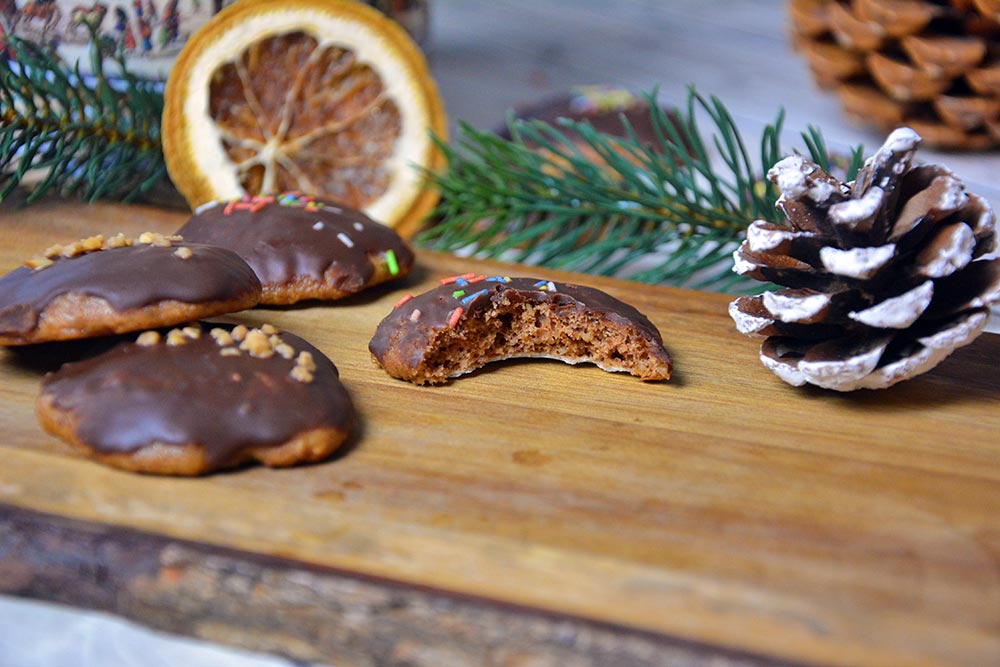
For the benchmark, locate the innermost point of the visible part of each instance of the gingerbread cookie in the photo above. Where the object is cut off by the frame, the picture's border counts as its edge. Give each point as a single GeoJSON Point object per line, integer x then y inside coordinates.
{"type": "Point", "coordinates": [100, 286]}
{"type": "Point", "coordinates": [302, 248]}
{"type": "Point", "coordinates": [469, 321]}
{"type": "Point", "coordinates": [200, 399]}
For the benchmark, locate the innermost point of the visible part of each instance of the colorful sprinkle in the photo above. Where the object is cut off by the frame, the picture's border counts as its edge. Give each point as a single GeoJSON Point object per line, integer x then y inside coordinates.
{"type": "Point", "coordinates": [415, 315]}
{"type": "Point", "coordinates": [346, 240]}
{"type": "Point", "coordinates": [472, 297]}
{"type": "Point", "coordinates": [458, 293]}
{"type": "Point", "coordinates": [357, 225]}
{"type": "Point", "coordinates": [452, 279]}
{"type": "Point", "coordinates": [455, 316]}
{"type": "Point", "coordinates": [551, 286]}
{"type": "Point", "coordinates": [318, 226]}
{"type": "Point", "coordinates": [403, 300]}
{"type": "Point", "coordinates": [540, 284]}
{"type": "Point", "coordinates": [390, 261]}
{"type": "Point", "coordinates": [498, 279]}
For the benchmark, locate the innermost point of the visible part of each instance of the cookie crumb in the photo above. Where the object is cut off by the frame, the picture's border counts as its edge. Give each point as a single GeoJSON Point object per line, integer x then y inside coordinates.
{"type": "Point", "coordinates": [148, 338]}
{"type": "Point", "coordinates": [183, 252]}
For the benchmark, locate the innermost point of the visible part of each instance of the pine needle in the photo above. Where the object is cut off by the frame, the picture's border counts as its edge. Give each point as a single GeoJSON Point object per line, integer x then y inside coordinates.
{"type": "Point", "coordinates": [671, 212]}
{"type": "Point", "coordinates": [85, 137]}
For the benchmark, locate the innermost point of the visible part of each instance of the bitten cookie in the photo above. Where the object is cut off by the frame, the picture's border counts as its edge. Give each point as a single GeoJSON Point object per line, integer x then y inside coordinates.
{"type": "Point", "coordinates": [199, 399]}
{"type": "Point", "coordinates": [302, 248]}
{"type": "Point", "coordinates": [469, 321]}
{"type": "Point", "coordinates": [99, 286]}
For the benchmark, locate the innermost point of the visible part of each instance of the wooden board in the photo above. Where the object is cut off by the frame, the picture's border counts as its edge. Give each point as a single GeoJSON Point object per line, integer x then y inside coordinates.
{"type": "Point", "coordinates": [723, 507]}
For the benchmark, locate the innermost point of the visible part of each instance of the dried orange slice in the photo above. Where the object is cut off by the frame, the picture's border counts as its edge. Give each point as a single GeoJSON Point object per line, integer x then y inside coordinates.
{"type": "Point", "coordinates": [328, 97]}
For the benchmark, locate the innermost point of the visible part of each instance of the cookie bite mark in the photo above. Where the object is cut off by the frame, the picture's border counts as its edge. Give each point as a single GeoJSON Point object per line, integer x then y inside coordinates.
{"type": "Point", "coordinates": [471, 320]}
{"type": "Point", "coordinates": [303, 248]}
{"type": "Point", "coordinates": [200, 398]}
{"type": "Point", "coordinates": [99, 286]}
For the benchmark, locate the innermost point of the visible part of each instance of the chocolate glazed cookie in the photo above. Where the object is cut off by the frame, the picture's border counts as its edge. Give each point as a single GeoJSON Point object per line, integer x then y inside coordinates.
{"type": "Point", "coordinates": [302, 248]}
{"type": "Point", "coordinates": [199, 399]}
{"type": "Point", "coordinates": [469, 321]}
{"type": "Point", "coordinates": [99, 286]}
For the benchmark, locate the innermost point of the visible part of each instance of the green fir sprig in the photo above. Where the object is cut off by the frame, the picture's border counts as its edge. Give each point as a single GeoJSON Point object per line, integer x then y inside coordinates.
{"type": "Point", "coordinates": [671, 212]}
{"type": "Point", "coordinates": [78, 136]}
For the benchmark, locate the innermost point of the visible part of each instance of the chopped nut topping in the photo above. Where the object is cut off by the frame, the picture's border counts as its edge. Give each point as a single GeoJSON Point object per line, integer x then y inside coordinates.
{"type": "Point", "coordinates": [305, 360]}
{"type": "Point", "coordinates": [119, 240]}
{"type": "Point", "coordinates": [148, 338]}
{"type": "Point", "coordinates": [192, 331]}
{"type": "Point", "coordinates": [257, 344]}
{"type": "Point", "coordinates": [38, 263]}
{"type": "Point", "coordinates": [285, 350]}
{"type": "Point", "coordinates": [229, 352]}
{"type": "Point", "coordinates": [268, 329]}
{"type": "Point", "coordinates": [183, 252]}
{"type": "Point", "coordinates": [157, 239]}
{"type": "Point", "coordinates": [221, 336]}
{"type": "Point", "coordinates": [301, 374]}
{"type": "Point", "coordinates": [82, 247]}
{"type": "Point", "coordinates": [92, 243]}
{"type": "Point", "coordinates": [275, 340]}
{"type": "Point", "coordinates": [239, 332]}
{"type": "Point", "coordinates": [176, 337]}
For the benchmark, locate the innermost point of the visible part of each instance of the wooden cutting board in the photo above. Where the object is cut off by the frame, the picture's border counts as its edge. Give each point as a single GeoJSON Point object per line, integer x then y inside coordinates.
{"type": "Point", "coordinates": [722, 507]}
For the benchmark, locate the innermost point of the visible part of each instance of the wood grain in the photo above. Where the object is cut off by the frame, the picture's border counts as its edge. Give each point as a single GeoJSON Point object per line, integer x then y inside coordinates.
{"type": "Point", "coordinates": [723, 507]}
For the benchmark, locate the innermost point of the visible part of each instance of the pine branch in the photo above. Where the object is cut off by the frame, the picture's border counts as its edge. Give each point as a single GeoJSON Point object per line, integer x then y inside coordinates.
{"type": "Point", "coordinates": [663, 213]}
{"type": "Point", "coordinates": [87, 137]}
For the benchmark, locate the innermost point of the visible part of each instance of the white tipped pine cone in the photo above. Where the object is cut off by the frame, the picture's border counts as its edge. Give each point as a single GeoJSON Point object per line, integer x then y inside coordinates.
{"type": "Point", "coordinates": [933, 65]}
{"type": "Point", "coordinates": [885, 276]}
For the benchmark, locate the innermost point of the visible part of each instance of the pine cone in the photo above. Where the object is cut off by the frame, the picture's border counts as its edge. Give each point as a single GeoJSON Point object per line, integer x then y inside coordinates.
{"type": "Point", "coordinates": [933, 65]}
{"type": "Point", "coordinates": [886, 275]}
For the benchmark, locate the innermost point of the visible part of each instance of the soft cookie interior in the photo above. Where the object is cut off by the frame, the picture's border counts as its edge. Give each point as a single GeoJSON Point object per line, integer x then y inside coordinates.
{"type": "Point", "coordinates": [515, 327]}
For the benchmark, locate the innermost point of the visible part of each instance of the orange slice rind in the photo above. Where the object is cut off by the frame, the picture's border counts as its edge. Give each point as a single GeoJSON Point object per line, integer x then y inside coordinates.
{"type": "Point", "coordinates": [328, 97]}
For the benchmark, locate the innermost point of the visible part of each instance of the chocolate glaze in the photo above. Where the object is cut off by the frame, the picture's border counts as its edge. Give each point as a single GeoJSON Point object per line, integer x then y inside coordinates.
{"type": "Point", "coordinates": [281, 242]}
{"type": "Point", "coordinates": [437, 308]}
{"type": "Point", "coordinates": [127, 277]}
{"type": "Point", "coordinates": [135, 395]}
